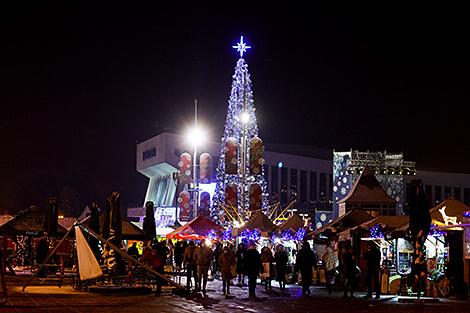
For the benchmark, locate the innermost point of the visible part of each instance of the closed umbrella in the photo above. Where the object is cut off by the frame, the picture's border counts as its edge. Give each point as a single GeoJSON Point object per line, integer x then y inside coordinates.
{"type": "Point", "coordinates": [51, 217]}
{"type": "Point", "coordinates": [112, 224]}
{"type": "Point", "coordinates": [112, 230]}
{"type": "Point", "coordinates": [94, 225]}
{"type": "Point", "coordinates": [94, 221]}
{"type": "Point", "coordinates": [149, 222]}
{"type": "Point", "coordinates": [420, 223]}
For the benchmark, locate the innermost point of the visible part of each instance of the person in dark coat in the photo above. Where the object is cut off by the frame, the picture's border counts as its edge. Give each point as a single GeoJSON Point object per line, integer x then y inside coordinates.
{"type": "Point", "coordinates": [133, 251]}
{"type": "Point", "coordinates": [190, 263]}
{"type": "Point", "coordinates": [348, 265]}
{"type": "Point", "coordinates": [239, 257]}
{"type": "Point", "coordinates": [373, 269]}
{"type": "Point", "coordinates": [305, 261]}
{"type": "Point", "coordinates": [281, 259]}
{"type": "Point", "coordinates": [178, 255]}
{"type": "Point", "coordinates": [253, 267]}
{"type": "Point", "coordinates": [215, 259]}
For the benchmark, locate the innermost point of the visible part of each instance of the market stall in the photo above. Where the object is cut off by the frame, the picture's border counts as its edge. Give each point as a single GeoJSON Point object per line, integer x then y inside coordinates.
{"type": "Point", "coordinates": [444, 251]}
{"type": "Point", "coordinates": [290, 234]}
{"type": "Point", "coordinates": [197, 229]}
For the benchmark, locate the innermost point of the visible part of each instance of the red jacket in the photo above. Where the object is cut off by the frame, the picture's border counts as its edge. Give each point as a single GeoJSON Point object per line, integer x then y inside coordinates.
{"type": "Point", "coordinates": [152, 258]}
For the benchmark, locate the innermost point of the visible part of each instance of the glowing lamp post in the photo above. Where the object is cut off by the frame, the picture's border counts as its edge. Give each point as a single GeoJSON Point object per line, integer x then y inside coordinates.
{"type": "Point", "coordinates": [196, 137]}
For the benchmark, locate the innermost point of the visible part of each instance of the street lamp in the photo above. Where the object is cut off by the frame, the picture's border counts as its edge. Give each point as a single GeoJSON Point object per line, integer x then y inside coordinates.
{"type": "Point", "coordinates": [196, 137]}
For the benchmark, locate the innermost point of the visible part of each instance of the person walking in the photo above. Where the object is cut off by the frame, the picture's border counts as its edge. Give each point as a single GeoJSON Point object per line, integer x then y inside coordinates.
{"type": "Point", "coordinates": [348, 266]}
{"type": "Point", "coordinates": [330, 259]}
{"type": "Point", "coordinates": [253, 267]}
{"type": "Point", "coordinates": [178, 255]}
{"type": "Point", "coordinates": [281, 258]}
{"type": "Point", "coordinates": [215, 260]}
{"type": "Point", "coordinates": [240, 271]}
{"type": "Point", "coordinates": [267, 261]}
{"type": "Point", "coordinates": [372, 258]}
{"type": "Point", "coordinates": [190, 264]}
{"type": "Point", "coordinates": [305, 261]}
{"type": "Point", "coordinates": [226, 262]}
{"type": "Point", "coordinates": [202, 256]}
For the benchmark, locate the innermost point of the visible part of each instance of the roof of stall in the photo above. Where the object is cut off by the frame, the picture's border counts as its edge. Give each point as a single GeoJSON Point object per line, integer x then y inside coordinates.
{"type": "Point", "coordinates": [453, 208]}
{"type": "Point", "coordinates": [259, 221]}
{"type": "Point", "coordinates": [387, 222]}
{"type": "Point", "coordinates": [367, 189]}
{"type": "Point", "coordinates": [198, 228]}
{"type": "Point", "coordinates": [294, 222]}
{"type": "Point", "coordinates": [351, 219]}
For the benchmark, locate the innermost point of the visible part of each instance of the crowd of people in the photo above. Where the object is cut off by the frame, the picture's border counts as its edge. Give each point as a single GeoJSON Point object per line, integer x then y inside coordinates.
{"type": "Point", "coordinates": [232, 264]}
{"type": "Point", "coordinates": [241, 264]}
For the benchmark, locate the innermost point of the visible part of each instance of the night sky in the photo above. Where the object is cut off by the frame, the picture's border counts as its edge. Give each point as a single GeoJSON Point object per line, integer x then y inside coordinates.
{"type": "Point", "coordinates": [79, 87]}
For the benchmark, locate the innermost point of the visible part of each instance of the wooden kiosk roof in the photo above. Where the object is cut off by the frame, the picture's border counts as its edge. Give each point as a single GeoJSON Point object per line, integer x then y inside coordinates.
{"type": "Point", "coordinates": [367, 189]}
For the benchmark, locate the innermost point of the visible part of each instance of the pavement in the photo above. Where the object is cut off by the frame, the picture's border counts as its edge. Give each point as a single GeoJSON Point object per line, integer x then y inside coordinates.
{"type": "Point", "coordinates": [51, 298]}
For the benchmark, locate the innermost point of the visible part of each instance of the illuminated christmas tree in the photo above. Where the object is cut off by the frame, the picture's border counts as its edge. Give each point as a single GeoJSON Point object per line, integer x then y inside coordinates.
{"type": "Point", "coordinates": [241, 186]}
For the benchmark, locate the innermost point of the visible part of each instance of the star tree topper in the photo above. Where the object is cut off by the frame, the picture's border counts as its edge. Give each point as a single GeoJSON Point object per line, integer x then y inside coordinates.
{"type": "Point", "coordinates": [241, 47]}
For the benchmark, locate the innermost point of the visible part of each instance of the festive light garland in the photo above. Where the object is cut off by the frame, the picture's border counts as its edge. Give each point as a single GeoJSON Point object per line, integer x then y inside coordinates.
{"type": "Point", "coordinates": [376, 232]}
{"type": "Point", "coordinates": [300, 235]}
{"type": "Point", "coordinates": [212, 235]}
{"type": "Point", "coordinates": [466, 214]}
{"type": "Point", "coordinates": [436, 232]}
{"type": "Point", "coordinates": [289, 235]}
{"type": "Point", "coordinates": [247, 236]}
{"type": "Point", "coordinates": [227, 234]}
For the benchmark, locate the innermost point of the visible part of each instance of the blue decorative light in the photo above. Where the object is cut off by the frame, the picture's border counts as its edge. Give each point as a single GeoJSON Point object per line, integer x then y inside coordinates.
{"type": "Point", "coordinates": [436, 232]}
{"type": "Point", "coordinates": [300, 235]}
{"type": "Point", "coordinates": [376, 232]}
{"type": "Point", "coordinates": [248, 236]}
{"type": "Point", "coordinates": [227, 234]}
{"type": "Point", "coordinates": [279, 164]}
{"type": "Point", "coordinates": [212, 235]}
{"type": "Point", "coordinates": [288, 235]}
{"type": "Point", "coordinates": [466, 214]}
{"type": "Point", "coordinates": [241, 47]}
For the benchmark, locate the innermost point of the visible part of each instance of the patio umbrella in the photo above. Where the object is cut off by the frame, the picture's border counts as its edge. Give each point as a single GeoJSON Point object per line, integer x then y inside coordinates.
{"type": "Point", "coordinates": [94, 225]}
{"type": "Point", "coordinates": [420, 223]}
{"type": "Point", "coordinates": [51, 217]}
{"type": "Point", "coordinates": [112, 224]}
{"type": "Point", "coordinates": [94, 221]}
{"type": "Point", "coordinates": [149, 222]}
{"type": "Point", "coordinates": [112, 231]}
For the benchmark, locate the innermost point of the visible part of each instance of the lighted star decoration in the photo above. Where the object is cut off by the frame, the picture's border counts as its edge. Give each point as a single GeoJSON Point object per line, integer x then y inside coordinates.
{"type": "Point", "coordinates": [241, 47]}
